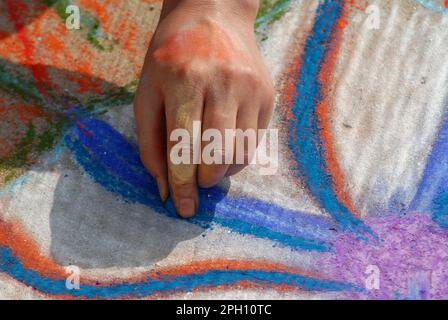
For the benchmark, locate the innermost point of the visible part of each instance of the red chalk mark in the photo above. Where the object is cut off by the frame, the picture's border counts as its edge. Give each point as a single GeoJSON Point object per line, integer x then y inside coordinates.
{"type": "Point", "coordinates": [342, 23]}
{"type": "Point", "coordinates": [51, 58]}
{"type": "Point", "coordinates": [3, 34]}
{"type": "Point", "coordinates": [54, 43]}
{"type": "Point", "coordinates": [22, 45]}
{"type": "Point", "coordinates": [99, 9]}
{"type": "Point", "coordinates": [360, 5]}
{"type": "Point", "coordinates": [242, 285]}
{"type": "Point", "coordinates": [205, 41]}
{"type": "Point", "coordinates": [125, 30]}
{"type": "Point", "coordinates": [323, 110]}
{"type": "Point", "coordinates": [13, 236]}
{"type": "Point", "coordinates": [17, 9]}
{"type": "Point", "coordinates": [84, 129]}
{"type": "Point", "coordinates": [28, 112]}
{"type": "Point", "coordinates": [222, 264]}
{"type": "Point", "coordinates": [446, 4]}
{"type": "Point", "coordinates": [86, 84]}
{"type": "Point", "coordinates": [17, 117]}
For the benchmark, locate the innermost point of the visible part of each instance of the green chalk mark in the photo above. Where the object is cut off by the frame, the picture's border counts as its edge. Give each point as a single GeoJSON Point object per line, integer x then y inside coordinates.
{"type": "Point", "coordinates": [49, 138]}
{"type": "Point", "coordinates": [12, 175]}
{"type": "Point", "coordinates": [23, 149]}
{"type": "Point", "coordinates": [32, 144]}
{"type": "Point", "coordinates": [271, 11]}
{"type": "Point", "coordinates": [15, 86]}
{"type": "Point", "coordinates": [26, 90]}
{"type": "Point", "coordinates": [37, 141]}
{"type": "Point", "coordinates": [119, 96]}
{"type": "Point", "coordinates": [265, 6]}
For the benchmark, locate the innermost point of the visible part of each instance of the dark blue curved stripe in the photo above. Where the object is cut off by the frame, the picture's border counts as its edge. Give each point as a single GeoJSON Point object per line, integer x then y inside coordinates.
{"type": "Point", "coordinates": [95, 146]}
{"type": "Point", "coordinates": [291, 222]}
{"type": "Point", "coordinates": [126, 161]}
{"type": "Point", "coordinates": [183, 283]}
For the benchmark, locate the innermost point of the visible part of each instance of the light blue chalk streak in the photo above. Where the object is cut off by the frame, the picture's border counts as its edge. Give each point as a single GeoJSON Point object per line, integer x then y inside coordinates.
{"type": "Point", "coordinates": [431, 5]}
{"type": "Point", "coordinates": [15, 185]}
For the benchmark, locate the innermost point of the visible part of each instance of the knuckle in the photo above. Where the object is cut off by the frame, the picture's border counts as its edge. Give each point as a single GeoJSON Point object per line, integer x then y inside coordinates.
{"type": "Point", "coordinates": [229, 71]}
{"type": "Point", "coordinates": [239, 72]}
{"type": "Point", "coordinates": [242, 76]}
{"type": "Point", "coordinates": [192, 73]}
{"type": "Point", "coordinates": [184, 185]}
{"type": "Point", "coordinates": [250, 76]}
{"type": "Point", "coordinates": [218, 116]}
{"type": "Point", "coordinates": [183, 188]}
{"type": "Point", "coordinates": [182, 146]}
{"type": "Point", "coordinates": [182, 174]}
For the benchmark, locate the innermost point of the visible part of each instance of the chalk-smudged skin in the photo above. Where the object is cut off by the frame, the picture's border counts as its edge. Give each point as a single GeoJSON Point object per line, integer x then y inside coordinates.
{"type": "Point", "coordinates": [203, 64]}
{"type": "Point", "coordinates": [204, 41]}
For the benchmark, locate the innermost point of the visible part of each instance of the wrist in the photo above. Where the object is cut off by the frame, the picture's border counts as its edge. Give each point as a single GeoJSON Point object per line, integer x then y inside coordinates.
{"type": "Point", "coordinates": [245, 10]}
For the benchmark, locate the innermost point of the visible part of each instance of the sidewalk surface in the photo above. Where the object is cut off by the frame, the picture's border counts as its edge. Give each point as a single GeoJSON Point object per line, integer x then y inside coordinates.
{"type": "Point", "coordinates": [358, 208]}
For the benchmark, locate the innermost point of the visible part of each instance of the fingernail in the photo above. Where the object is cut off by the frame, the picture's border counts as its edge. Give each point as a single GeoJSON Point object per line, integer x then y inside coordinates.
{"type": "Point", "coordinates": [162, 191]}
{"type": "Point", "coordinates": [187, 207]}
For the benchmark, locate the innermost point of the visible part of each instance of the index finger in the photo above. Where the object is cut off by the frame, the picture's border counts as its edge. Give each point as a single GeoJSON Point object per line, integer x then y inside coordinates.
{"type": "Point", "coordinates": [183, 115]}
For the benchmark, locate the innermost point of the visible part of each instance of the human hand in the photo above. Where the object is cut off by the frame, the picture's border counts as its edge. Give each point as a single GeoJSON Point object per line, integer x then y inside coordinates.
{"type": "Point", "coordinates": [203, 64]}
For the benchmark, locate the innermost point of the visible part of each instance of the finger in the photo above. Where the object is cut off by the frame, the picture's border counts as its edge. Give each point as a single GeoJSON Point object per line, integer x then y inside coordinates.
{"type": "Point", "coordinates": [150, 119]}
{"type": "Point", "coordinates": [219, 118]}
{"type": "Point", "coordinates": [183, 109]}
{"type": "Point", "coordinates": [263, 120]}
{"type": "Point", "coordinates": [245, 139]}
{"type": "Point", "coordinates": [266, 111]}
